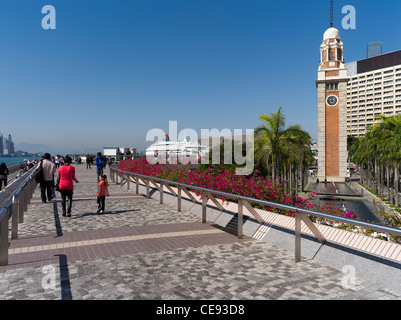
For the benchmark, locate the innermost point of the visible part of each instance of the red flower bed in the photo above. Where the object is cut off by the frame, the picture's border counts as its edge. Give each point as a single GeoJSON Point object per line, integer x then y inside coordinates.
{"type": "Point", "coordinates": [252, 187]}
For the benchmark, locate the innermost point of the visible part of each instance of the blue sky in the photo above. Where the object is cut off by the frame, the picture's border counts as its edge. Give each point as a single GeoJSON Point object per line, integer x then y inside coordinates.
{"type": "Point", "coordinates": [113, 70]}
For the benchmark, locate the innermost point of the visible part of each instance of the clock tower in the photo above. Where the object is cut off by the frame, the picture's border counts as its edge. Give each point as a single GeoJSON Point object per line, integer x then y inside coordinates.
{"type": "Point", "coordinates": [332, 109]}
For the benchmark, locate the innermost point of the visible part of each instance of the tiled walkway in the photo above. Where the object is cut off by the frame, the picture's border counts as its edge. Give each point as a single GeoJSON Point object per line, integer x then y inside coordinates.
{"type": "Point", "coordinates": [139, 249]}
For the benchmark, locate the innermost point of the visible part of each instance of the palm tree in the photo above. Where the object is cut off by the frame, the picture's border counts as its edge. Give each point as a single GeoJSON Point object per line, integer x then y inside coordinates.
{"type": "Point", "coordinates": [282, 150]}
{"type": "Point", "coordinates": [389, 143]}
{"type": "Point", "coordinates": [366, 156]}
{"type": "Point", "coordinates": [352, 147]}
{"type": "Point", "coordinates": [268, 135]}
{"type": "Point", "coordinates": [380, 148]}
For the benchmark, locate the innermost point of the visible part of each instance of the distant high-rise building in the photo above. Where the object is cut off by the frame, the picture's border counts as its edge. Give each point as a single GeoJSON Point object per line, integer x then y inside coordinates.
{"type": "Point", "coordinates": [6, 144]}
{"type": "Point", "coordinates": [374, 49]}
{"type": "Point", "coordinates": [1, 143]}
{"type": "Point", "coordinates": [10, 145]}
{"type": "Point", "coordinates": [12, 150]}
{"type": "Point", "coordinates": [8, 148]}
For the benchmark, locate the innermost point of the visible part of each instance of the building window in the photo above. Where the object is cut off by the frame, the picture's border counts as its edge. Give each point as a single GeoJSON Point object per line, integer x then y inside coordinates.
{"type": "Point", "coordinates": [331, 55]}
{"type": "Point", "coordinates": [332, 87]}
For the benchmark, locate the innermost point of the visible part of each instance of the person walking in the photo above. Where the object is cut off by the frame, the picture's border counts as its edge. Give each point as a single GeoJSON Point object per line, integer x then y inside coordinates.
{"type": "Point", "coordinates": [99, 161]}
{"type": "Point", "coordinates": [57, 161]}
{"type": "Point", "coordinates": [88, 161]}
{"type": "Point", "coordinates": [67, 176]}
{"type": "Point", "coordinates": [102, 192]}
{"type": "Point", "coordinates": [3, 174]}
{"type": "Point", "coordinates": [47, 183]}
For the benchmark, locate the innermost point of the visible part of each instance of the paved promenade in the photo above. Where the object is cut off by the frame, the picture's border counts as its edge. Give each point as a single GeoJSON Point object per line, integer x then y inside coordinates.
{"type": "Point", "coordinates": [140, 249]}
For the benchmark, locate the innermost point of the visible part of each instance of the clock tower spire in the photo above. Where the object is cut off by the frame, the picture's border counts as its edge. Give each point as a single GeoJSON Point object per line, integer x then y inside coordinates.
{"type": "Point", "coordinates": [332, 107]}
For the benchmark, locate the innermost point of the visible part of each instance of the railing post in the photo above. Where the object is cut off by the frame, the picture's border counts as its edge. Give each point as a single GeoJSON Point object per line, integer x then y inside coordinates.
{"type": "Point", "coordinates": [128, 182]}
{"type": "Point", "coordinates": [21, 206]}
{"type": "Point", "coordinates": [25, 196]}
{"type": "Point", "coordinates": [161, 192]}
{"type": "Point", "coordinates": [179, 199]}
{"type": "Point", "coordinates": [240, 218]}
{"type": "Point", "coordinates": [29, 195]}
{"type": "Point", "coordinates": [204, 200]}
{"type": "Point", "coordinates": [4, 239]}
{"type": "Point", "coordinates": [14, 218]}
{"type": "Point", "coordinates": [147, 188]}
{"type": "Point", "coordinates": [137, 185]}
{"type": "Point", "coordinates": [297, 236]}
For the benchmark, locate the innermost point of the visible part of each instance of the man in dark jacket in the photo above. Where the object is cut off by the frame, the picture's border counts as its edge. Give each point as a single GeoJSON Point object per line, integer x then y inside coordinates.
{"type": "Point", "coordinates": [99, 161]}
{"type": "Point", "coordinates": [46, 185]}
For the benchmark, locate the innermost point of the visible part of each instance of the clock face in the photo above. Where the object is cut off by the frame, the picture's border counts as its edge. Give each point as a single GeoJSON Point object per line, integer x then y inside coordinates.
{"type": "Point", "coordinates": [332, 101]}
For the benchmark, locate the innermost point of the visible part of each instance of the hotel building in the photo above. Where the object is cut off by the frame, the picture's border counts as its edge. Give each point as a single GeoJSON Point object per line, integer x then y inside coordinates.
{"type": "Point", "coordinates": [374, 88]}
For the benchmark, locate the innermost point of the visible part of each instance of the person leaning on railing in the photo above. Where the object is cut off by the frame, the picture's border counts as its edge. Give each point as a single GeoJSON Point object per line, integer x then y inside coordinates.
{"type": "Point", "coordinates": [22, 170]}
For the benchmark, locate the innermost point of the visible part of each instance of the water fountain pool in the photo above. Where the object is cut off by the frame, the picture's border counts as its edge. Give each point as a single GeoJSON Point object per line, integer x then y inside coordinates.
{"type": "Point", "coordinates": [341, 195]}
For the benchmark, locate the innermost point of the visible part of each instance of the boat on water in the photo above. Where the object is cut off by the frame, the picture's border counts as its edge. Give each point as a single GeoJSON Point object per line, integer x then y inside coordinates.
{"type": "Point", "coordinates": [167, 149]}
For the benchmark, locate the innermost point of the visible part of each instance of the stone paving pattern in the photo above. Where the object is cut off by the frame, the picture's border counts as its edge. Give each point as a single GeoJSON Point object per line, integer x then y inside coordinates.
{"type": "Point", "coordinates": [165, 255]}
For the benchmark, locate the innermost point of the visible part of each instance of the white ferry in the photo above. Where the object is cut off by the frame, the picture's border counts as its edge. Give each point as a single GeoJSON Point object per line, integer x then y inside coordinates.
{"type": "Point", "coordinates": [176, 149]}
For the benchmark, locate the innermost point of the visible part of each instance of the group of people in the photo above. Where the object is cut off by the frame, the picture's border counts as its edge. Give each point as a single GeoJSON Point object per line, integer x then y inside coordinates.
{"type": "Point", "coordinates": [66, 174]}
{"type": "Point", "coordinates": [65, 182]}
{"type": "Point", "coordinates": [4, 171]}
{"type": "Point", "coordinates": [99, 159]}
{"type": "Point", "coordinates": [58, 160]}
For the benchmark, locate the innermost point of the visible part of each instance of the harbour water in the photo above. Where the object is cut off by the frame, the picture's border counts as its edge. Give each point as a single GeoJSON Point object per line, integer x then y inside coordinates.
{"type": "Point", "coordinates": [13, 160]}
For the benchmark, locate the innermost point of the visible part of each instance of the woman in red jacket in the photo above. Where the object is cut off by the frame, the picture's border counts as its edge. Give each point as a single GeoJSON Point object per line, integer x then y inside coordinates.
{"type": "Point", "coordinates": [67, 175]}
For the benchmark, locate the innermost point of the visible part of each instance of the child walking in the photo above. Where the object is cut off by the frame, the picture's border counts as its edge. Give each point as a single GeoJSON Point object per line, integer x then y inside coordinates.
{"type": "Point", "coordinates": [102, 192]}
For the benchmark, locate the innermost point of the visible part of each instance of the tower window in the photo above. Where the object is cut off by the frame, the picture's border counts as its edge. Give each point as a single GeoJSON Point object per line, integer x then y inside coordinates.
{"type": "Point", "coordinates": [331, 55]}
{"type": "Point", "coordinates": [332, 87]}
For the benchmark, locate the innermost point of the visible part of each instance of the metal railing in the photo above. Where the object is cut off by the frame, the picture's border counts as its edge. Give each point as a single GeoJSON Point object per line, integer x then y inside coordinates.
{"type": "Point", "coordinates": [13, 203]}
{"type": "Point", "coordinates": [301, 214]}
{"type": "Point", "coordinates": [15, 172]}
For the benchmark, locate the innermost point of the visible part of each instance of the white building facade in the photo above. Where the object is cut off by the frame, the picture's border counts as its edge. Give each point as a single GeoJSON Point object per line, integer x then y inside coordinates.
{"type": "Point", "coordinates": [374, 88]}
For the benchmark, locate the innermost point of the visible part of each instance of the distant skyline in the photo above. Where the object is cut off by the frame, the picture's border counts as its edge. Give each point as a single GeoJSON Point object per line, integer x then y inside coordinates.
{"type": "Point", "coordinates": [113, 70]}
{"type": "Point", "coordinates": [6, 145]}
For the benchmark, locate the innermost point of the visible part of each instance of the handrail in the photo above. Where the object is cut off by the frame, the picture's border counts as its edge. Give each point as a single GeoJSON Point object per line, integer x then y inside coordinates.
{"type": "Point", "coordinates": [23, 184]}
{"type": "Point", "coordinates": [13, 172]}
{"type": "Point", "coordinates": [369, 225]}
{"type": "Point", "coordinates": [2, 213]}
{"type": "Point", "coordinates": [13, 206]}
{"type": "Point", "coordinates": [300, 213]}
